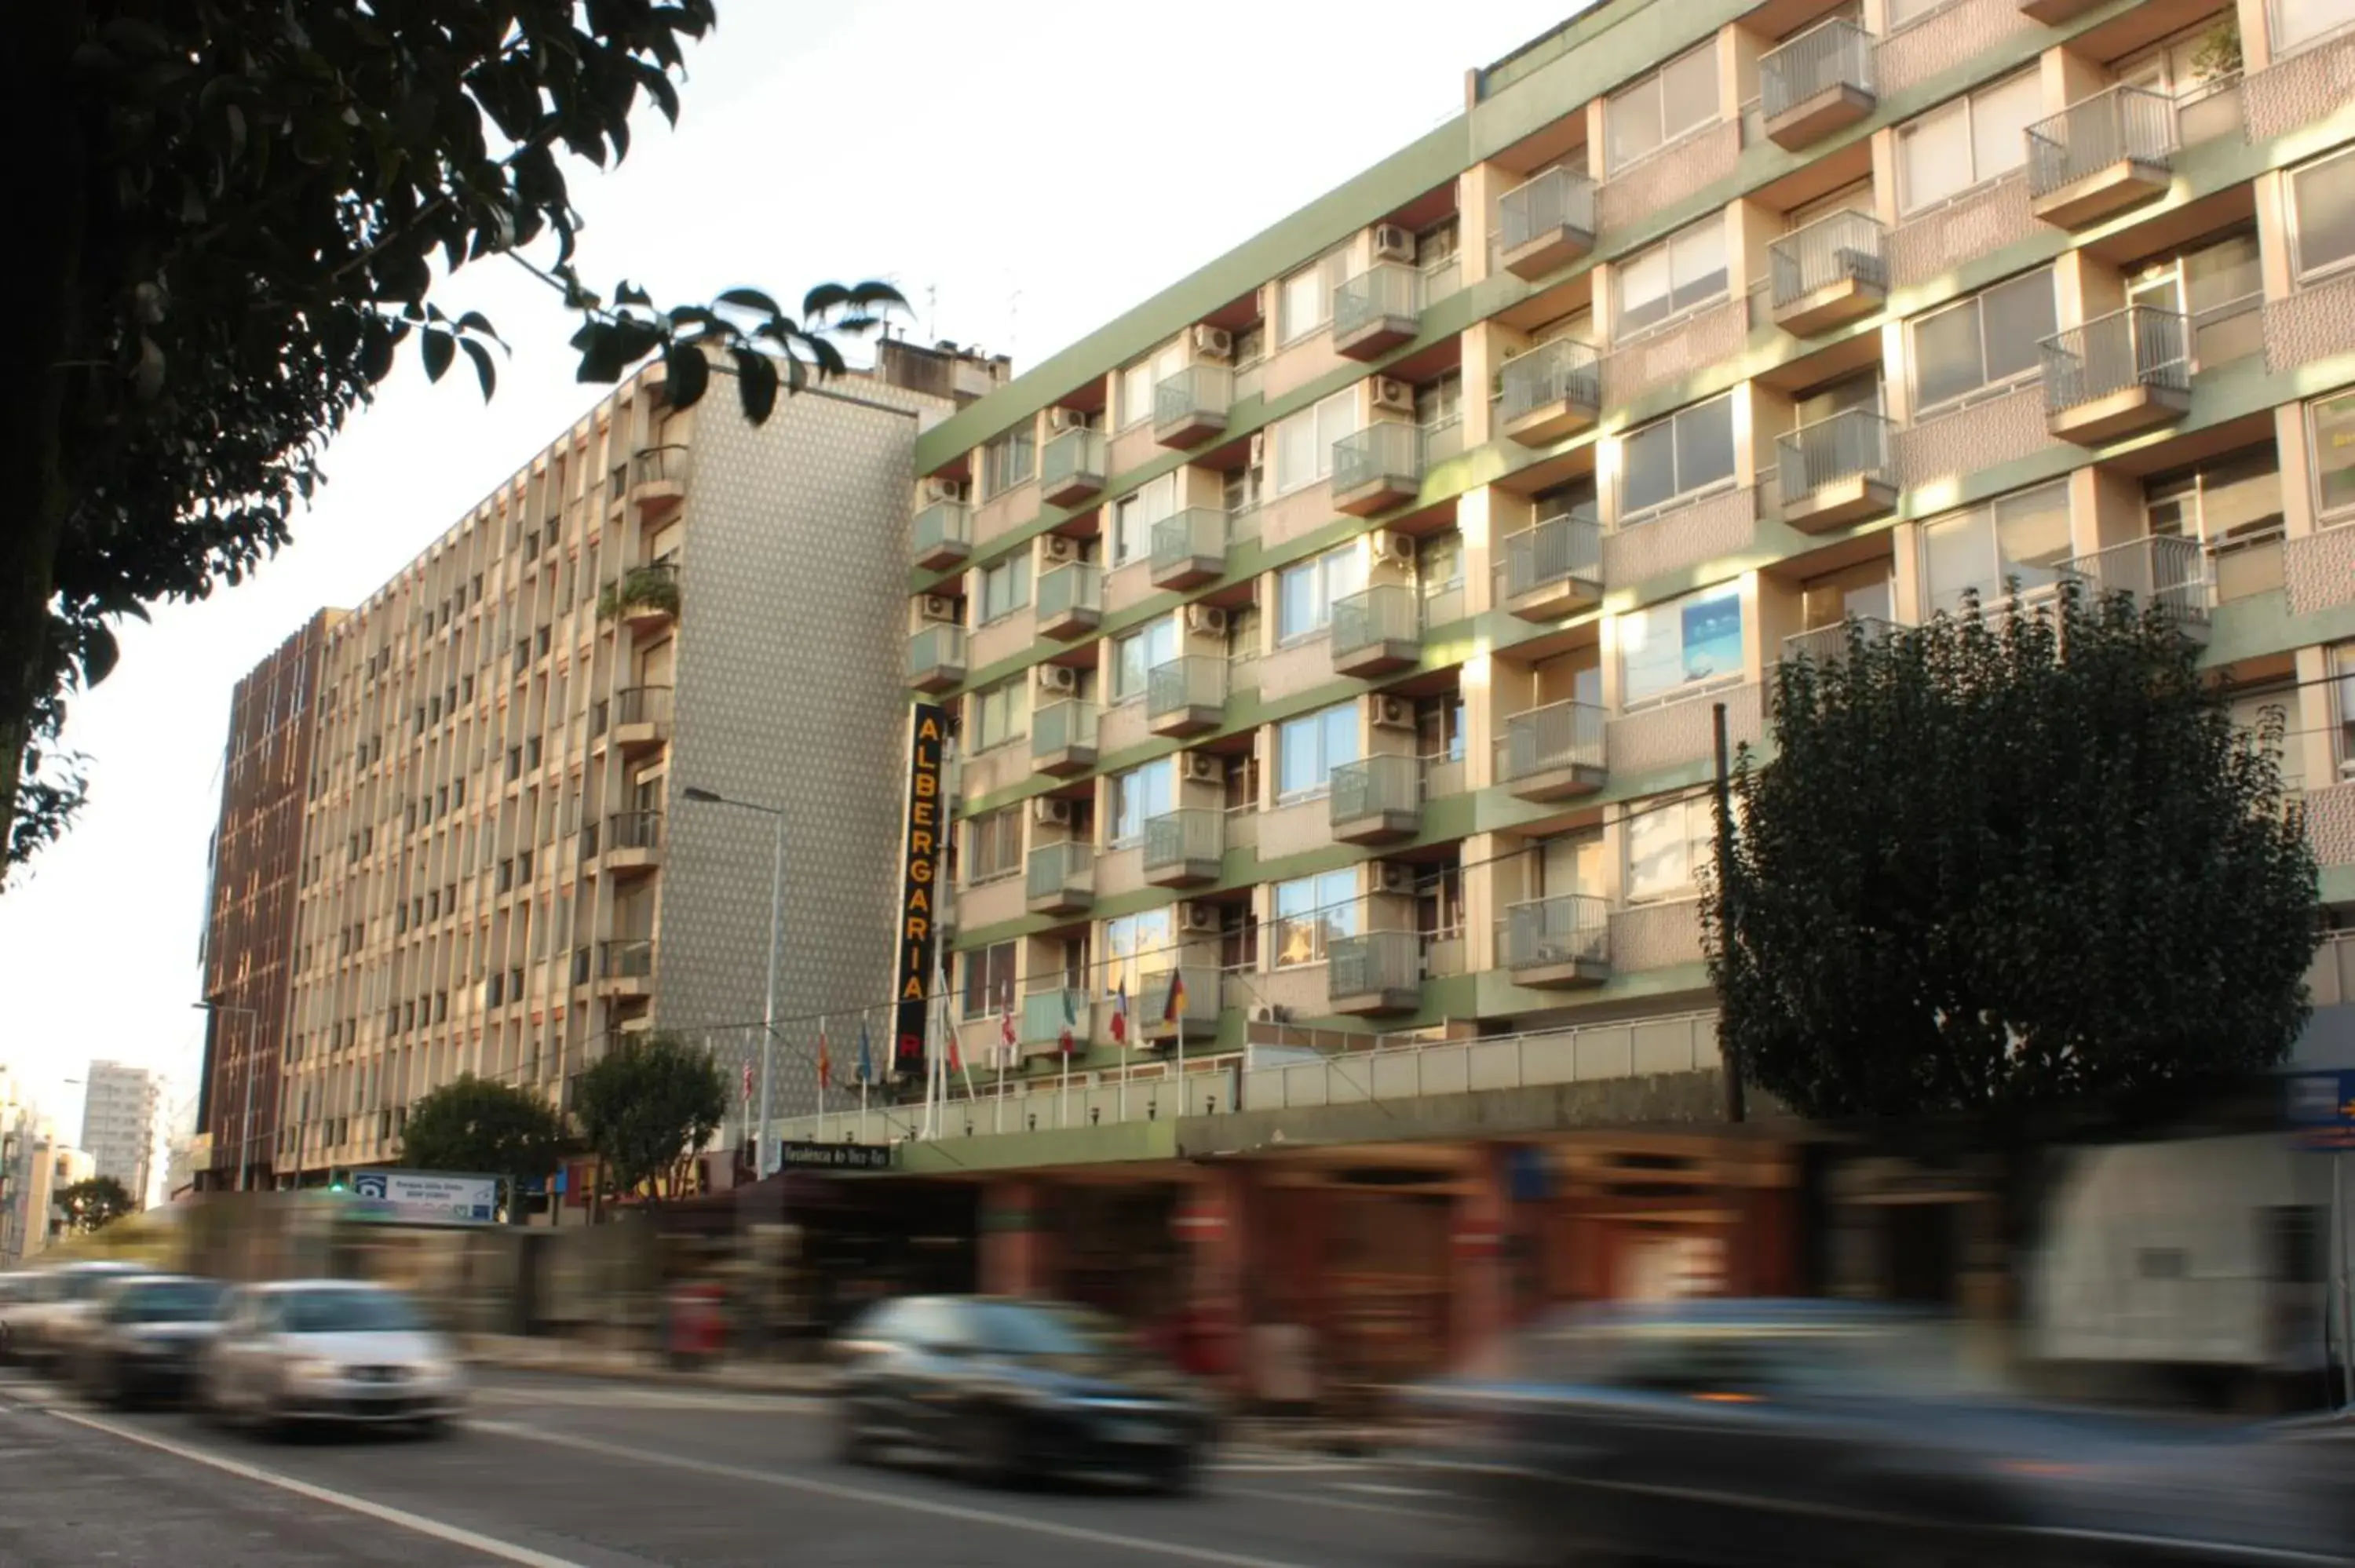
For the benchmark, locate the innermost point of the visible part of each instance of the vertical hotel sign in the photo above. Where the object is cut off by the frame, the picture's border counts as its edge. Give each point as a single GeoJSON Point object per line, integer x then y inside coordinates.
{"type": "Point", "coordinates": [918, 890]}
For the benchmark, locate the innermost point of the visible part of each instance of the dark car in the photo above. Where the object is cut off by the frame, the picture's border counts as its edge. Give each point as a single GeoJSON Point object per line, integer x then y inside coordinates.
{"type": "Point", "coordinates": [147, 1334]}
{"type": "Point", "coordinates": [1740, 1433]}
{"type": "Point", "coordinates": [1009, 1390]}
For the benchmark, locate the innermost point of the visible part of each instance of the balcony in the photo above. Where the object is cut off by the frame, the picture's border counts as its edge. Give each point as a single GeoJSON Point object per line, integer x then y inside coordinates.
{"type": "Point", "coordinates": [2116, 374]}
{"type": "Point", "coordinates": [1377, 800]}
{"type": "Point", "coordinates": [936, 657]}
{"type": "Point", "coordinates": [1556, 942]}
{"type": "Point", "coordinates": [1046, 1013]}
{"type": "Point", "coordinates": [1546, 223]}
{"type": "Point", "coordinates": [1817, 83]}
{"type": "Point", "coordinates": [1186, 695]}
{"type": "Point", "coordinates": [1378, 468]}
{"type": "Point", "coordinates": [1553, 753]}
{"type": "Point", "coordinates": [1824, 645]}
{"type": "Point", "coordinates": [1063, 737]}
{"type": "Point", "coordinates": [641, 718]}
{"type": "Point", "coordinates": [1835, 472]}
{"type": "Point", "coordinates": [1061, 879]}
{"type": "Point", "coordinates": [1377, 632]}
{"type": "Point", "coordinates": [1549, 393]}
{"type": "Point", "coordinates": [1069, 600]}
{"type": "Point", "coordinates": [2052, 12]}
{"type": "Point", "coordinates": [625, 969]}
{"type": "Point", "coordinates": [1185, 848]}
{"type": "Point", "coordinates": [632, 844]}
{"type": "Point", "coordinates": [1555, 568]}
{"type": "Point", "coordinates": [1829, 273]}
{"type": "Point", "coordinates": [943, 535]}
{"type": "Point", "coordinates": [1199, 1017]}
{"type": "Point", "coordinates": [658, 480]}
{"type": "Point", "coordinates": [1071, 468]}
{"type": "Point", "coordinates": [1376, 971]}
{"type": "Point", "coordinates": [1189, 548]}
{"type": "Point", "coordinates": [2170, 574]}
{"type": "Point", "coordinates": [1191, 406]}
{"type": "Point", "coordinates": [644, 599]}
{"type": "Point", "coordinates": [1375, 311]}
{"type": "Point", "coordinates": [2100, 156]}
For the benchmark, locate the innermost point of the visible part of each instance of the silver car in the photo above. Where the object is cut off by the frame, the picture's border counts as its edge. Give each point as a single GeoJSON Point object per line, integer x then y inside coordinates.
{"type": "Point", "coordinates": [328, 1351]}
{"type": "Point", "coordinates": [43, 1329]}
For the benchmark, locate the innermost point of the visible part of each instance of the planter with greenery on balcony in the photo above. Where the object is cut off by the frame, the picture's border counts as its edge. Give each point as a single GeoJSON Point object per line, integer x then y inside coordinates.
{"type": "Point", "coordinates": [648, 593]}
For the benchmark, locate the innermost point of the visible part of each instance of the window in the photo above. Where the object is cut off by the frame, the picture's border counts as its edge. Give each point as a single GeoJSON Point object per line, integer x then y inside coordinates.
{"type": "Point", "coordinates": [1309, 747]}
{"type": "Point", "coordinates": [1987, 340]}
{"type": "Point", "coordinates": [1135, 945]}
{"type": "Point", "coordinates": [1693, 642]}
{"type": "Point", "coordinates": [1005, 586]}
{"type": "Point", "coordinates": [2223, 502]}
{"type": "Point", "coordinates": [997, 713]}
{"type": "Point", "coordinates": [1905, 12]}
{"type": "Point", "coordinates": [1666, 846]}
{"type": "Point", "coordinates": [2322, 215]}
{"type": "Point", "coordinates": [989, 979]}
{"type": "Point", "coordinates": [1439, 404]}
{"type": "Point", "coordinates": [1006, 462]}
{"type": "Point", "coordinates": [1132, 517]}
{"type": "Point", "coordinates": [2022, 537]}
{"type": "Point", "coordinates": [1134, 655]}
{"type": "Point", "coordinates": [1683, 270]}
{"type": "Point", "coordinates": [1647, 114]}
{"type": "Point", "coordinates": [1304, 300]}
{"type": "Point", "coordinates": [1973, 139]}
{"type": "Point", "coordinates": [1305, 591]}
{"type": "Point", "coordinates": [1133, 399]}
{"type": "Point", "coordinates": [1135, 798]}
{"type": "Point", "coordinates": [1303, 442]}
{"type": "Point", "coordinates": [2293, 23]}
{"type": "Point", "coordinates": [1689, 450]}
{"type": "Point", "coordinates": [992, 845]}
{"type": "Point", "coordinates": [2333, 422]}
{"type": "Point", "coordinates": [1310, 912]}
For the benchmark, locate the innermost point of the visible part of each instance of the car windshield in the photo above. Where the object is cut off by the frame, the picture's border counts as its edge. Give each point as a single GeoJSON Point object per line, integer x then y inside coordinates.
{"type": "Point", "coordinates": [348, 1312]}
{"type": "Point", "coordinates": [177, 1301]}
{"type": "Point", "coordinates": [82, 1284]}
{"type": "Point", "coordinates": [1020, 1328]}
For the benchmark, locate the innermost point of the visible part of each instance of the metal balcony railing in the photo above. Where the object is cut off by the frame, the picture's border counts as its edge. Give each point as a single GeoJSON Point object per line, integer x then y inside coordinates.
{"type": "Point", "coordinates": [1391, 449]}
{"type": "Point", "coordinates": [1555, 200]}
{"type": "Point", "coordinates": [1852, 443]}
{"type": "Point", "coordinates": [1199, 533]}
{"type": "Point", "coordinates": [1062, 726]}
{"type": "Point", "coordinates": [941, 527]}
{"type": "Point", "coordinates": [1824, 644]}
{"type": "Point", "coordinates": [654, 465]}
{"type": "Point", "coordinates": [1558, 736]}
{"type": "Point", "coordinates": [1570, 928]}
{"type": "Point", "coordinates": [1563, 371]}
{"type": "Point", "coordinates": [1387, 291]}
{"type": "Point", "coordinates": [2119, 124]}
{"type": "Point", "coordinates": [1373, 962]}
{"type": "Point", "coordinates": [1387, 612]}
{"type": "Point", "coordinates": [1565, 547]}
{"type": "Point", "coordinates": [1074, 586]}
{"type": "Point", "coordinates": [936, 648]}
{"type": "Point", "coordinates": [1837, 53]}
{"type": "Point", "coordinates": [2167, 572]}
{"type": "Point", "coordinates": [1071, 456]}
{"type": "Point", "coordinates": [1841, 247]}
{"type": "Point", "coordinates": [633, 829]}
{"type": "Point", "coordinates": [2141, 346]}
{"type": "Point", "coordinates": [629, 959]}
{"type": "Point", "coordinates": [1190, 835]}
{"type": "Point", "coordinates": [1190, 681]}
{"type": "Point", "coordinates": [642, 704]}
{"type": "Point", "coordinates": [1046, 1013]}
{"type": "Point", "coordinates": [1198, 394]}
{"type": "Point", "coordinates": [1056, 870]}
{"type": "Point", "coordinates": [1376, 786]}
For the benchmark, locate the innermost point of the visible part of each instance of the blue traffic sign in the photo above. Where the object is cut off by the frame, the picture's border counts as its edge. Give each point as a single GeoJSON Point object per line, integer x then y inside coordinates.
{"type": "Point", "coordinates": [2322, 1110]}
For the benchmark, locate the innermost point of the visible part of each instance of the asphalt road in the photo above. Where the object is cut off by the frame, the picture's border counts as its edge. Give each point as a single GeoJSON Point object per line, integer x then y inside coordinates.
{"type": "Point", "coordinates": [552, 1472]}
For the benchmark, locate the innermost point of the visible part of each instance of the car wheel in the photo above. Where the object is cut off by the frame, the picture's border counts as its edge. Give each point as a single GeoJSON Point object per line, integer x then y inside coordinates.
{"type": "Point", "coordinates": [991, 1456]}
{"type": "Point", "coordinates": [1178, 1475]}
{"type": "Point", "coordinates": [851, 1441]}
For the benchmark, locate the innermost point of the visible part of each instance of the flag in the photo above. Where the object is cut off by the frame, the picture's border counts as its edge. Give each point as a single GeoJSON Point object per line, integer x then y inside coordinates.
{"type": "Point", "coordinates": [865, 1053]}
{"type": "Point", "coordinates": [1005, 1036]}
{"type": "Point", "coordinates": [1120, 1013]}
{"type": "Point", "coordinates": [1174, 1008]}
{"type": "Point", "coordinates": [825, 1059]}
{"type": "Point", "coordinates": [1066, 1041]}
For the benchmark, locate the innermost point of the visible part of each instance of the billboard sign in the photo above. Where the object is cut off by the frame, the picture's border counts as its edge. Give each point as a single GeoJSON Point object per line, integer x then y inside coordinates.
{"type": "Point", "coordinates": [919, 891]}
{"type": "Point", "coordinates": [428, 1195]}
{"type": "Point", "coordinates": [809, 1154]}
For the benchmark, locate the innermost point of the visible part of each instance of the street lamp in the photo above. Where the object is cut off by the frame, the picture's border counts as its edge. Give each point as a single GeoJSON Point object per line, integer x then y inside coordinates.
{"type": "Point", "coordinates": [245, 1126]}
{"type": "Point", "coordinates": [776, 916]}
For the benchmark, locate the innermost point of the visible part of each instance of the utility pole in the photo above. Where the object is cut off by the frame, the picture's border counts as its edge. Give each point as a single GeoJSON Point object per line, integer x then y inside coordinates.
{"type": "Point", "coordinates": [1736, 1100]}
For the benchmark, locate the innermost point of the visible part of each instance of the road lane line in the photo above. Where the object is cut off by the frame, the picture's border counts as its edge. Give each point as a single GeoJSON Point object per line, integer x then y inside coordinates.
{"type": "Point", "coordinates": [896, 1499]}
{"type": "Point", "coordinates": [454, 1535]}
{"type": "Point", "coordinates": [1355, 1505]}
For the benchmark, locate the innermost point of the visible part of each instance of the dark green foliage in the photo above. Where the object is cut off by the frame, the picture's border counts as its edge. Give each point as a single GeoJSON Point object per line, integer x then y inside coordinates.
{"type": "Point", "coordinates": [94, 1201]}
{"type": "Point", "coordinates": [481, 1127]}
{"type": "Point", "coordinates": [648, 1107]}
{"type": "Point", "coordinates": [2007, 861]}
{"type": "Point", "coordinates": [654, 586]}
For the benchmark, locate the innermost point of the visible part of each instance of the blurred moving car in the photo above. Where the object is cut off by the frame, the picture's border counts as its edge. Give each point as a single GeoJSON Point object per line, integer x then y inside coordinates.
{"type": "Point", "coordinates": [1735, 1434]}
{"type": "Point", "coordinates": [47, 1325]}
{"type": "Point", "coordinates": [1006, 1390]}
{"type": "Point", "coordinates": [145, 1334]}
{"type": "Point", "coordinates": [329, 1350]}
{"type": "Point", "coordinates": [15, 1290]}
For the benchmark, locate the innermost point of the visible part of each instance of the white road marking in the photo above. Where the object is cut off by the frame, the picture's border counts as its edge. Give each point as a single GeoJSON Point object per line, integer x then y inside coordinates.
{"type": "Point", "coordinates": [506, 1552]}
{"type": "Point", "coordinates": [1387, 1489]}
{"type": "Point", "coordinates": [880, 1499]}
{"type": "Point", "coordinates": [643, 1398]}
{"type": "Point", "coordinates": [1322, 1499]}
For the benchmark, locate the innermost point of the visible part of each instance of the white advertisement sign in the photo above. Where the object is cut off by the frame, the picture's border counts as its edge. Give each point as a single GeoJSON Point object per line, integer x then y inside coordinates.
{"type": "Point", "coordinates": [422, 1195]}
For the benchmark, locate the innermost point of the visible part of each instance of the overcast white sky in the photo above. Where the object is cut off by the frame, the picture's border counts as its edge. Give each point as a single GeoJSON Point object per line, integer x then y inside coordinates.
{"type": "Point", "coordinates": [995, 158]}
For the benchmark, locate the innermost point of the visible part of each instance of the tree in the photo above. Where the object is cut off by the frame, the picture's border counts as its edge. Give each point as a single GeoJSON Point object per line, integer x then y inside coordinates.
{"type": "Point", "coordinates": [495, 1129]}
{"type": "Point", "coordinates": [648, 1107]}
{"type": "Point", "coordinates": [2010, 861]}
{"type": "Point", "coordinates": [242, 208]}
{"type": "Point", "coordinates": [93, 1202]}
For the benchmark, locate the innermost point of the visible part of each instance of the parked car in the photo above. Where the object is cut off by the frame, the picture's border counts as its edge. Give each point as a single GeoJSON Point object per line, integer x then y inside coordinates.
{"type": "Point", "coordinates": [145, 1334]}
{"type": "Point", "coordinates": [48, 1321]}
{"type": "Point", "coordinates": [328, 1351]}
{"type": "Point", "coordinates": [1735, 1434]}
{"type": "Point", "coordinates": [1008, 1390]}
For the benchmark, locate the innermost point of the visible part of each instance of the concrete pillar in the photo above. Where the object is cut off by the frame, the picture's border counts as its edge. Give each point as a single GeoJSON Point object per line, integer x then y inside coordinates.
{"type": "Point", "coordinates": [1013, 1242]}
{"type": "Point", "coordinates": [1476, 190]}
{"type": "Point", "coordinates": [1485, 897]}
{"type": "Point", "coordinates": [2256, 40]}
{"type": "Point", "coordinates": [1480, 1303]}
{"type": "Point", "coordinates": [2270, 192]}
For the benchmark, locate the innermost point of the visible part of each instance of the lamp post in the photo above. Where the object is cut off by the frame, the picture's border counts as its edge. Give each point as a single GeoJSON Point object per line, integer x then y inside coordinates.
{"type": "Point", "coordinates": [776, 916]}
{"type": "Point", "coordinates": [245, 1126]}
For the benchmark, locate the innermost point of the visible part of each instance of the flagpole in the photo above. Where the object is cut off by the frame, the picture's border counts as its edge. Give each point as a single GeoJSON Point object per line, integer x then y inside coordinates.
{"type": "Point", "coordinates": [1175, 981]}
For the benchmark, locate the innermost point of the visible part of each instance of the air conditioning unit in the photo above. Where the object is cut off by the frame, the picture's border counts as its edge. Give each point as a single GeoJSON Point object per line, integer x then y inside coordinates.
{"type": "Point", "coordinates": [1268, 1013]}
{"type": "Point", "coordinates": [1200, 768]}
{"type": "Point", "coordinates": [1197, 920]}
{"type": "Point", "coordinates": [1060, 680]}
{"type": "Point", "coordinates": [1213, 342]}
{"type": "Point", "coordinates": [944, 490]}
{"type": "Point", "coordinates": [1259, 448]}
{"type": "Point", "coordinates": [1061, 419]}
{"type": "Point", "coordinates": [1059, 548]}
{"type": "Point", "coordinates": [1051, 813]}
{"type": "Point", "coordinates": [1390, 545]}
{"type": "Point", "coordinates": [1207, 618]}
{"type": "Point", "coordinates": [1392, 395]}
{"type": "Point", "coordinates": [1391, 713]}
{"type": "Point", "coordinates": [1392, 243]}
{"type": "Point", "coordinates": [939, 607]}
{"type": "Point", "coordinates": [1390, 876]}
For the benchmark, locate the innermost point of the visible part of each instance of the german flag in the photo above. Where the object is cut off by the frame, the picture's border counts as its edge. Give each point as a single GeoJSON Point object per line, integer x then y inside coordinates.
{"type": "Point", "coordinates": [1173, 1007]}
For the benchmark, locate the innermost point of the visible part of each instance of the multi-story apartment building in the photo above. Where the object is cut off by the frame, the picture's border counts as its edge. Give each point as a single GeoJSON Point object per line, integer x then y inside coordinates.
{"type": "Point", "coordinates": [20, 1131]}
{"type": "Point", "coordinates": [121, 1123]}
{"type": "Point", "coordinates": [1343, 628]}
{"type": "Point", "coordinates": [497, 868]}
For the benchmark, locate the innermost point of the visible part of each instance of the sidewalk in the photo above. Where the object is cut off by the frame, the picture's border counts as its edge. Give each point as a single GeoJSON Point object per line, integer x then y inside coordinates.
{"type": "Point", "coordinates": [574, 1357]}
